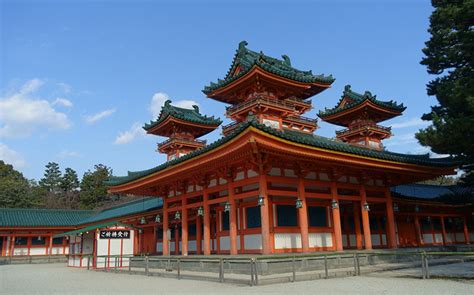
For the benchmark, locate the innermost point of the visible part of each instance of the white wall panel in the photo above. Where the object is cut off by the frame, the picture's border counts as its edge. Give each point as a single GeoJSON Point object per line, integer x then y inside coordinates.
{"type": "Point", "coordinates": [439, 238]}
{"type": "Point", "coordinates": [320, 240]}
{"type": "Point", "coordinates": [428, 238]}
{"type": "Point", "coordinates": [287, 241]}
{"type": "Point", "coordinates": [253, 242]}
{"type": "Point", "coordinates": [375, 240]}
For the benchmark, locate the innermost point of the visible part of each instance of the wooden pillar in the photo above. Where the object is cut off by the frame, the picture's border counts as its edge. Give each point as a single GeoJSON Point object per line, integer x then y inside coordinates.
{"type": "Point", "coordinates": [232, 219]}
{"type": "Point", "coordinates": [365, 219]}
{"type": "Point", "coordinates": [419, 234]}
{"type": "Point", "coordinates": [466, 231]}
{"type": "Point", "coordinates": [184, 229]}
{"type": "Point", "coordinates": [265, 214]}
{"type": "Point", "coordinates": [198, 235]}
{"type": "Point", "coordinates": [303, 216]}
{"type": "Point", "coordinates": [336, 218]}
{"type": "Point", "coordinates": [356, 208]}
{"type": "Point", "coordinates": [391, 235]}
{"type": "Point", "coordinates": [176, 240]}
{"type": "Point", "coordinates": [443, 231]}
{"type": "Point", "coordinates": [207, 224]}
{"type": "Point", "coordinates": [50, 251]}
{"type": "Point", "coordinates": [166, 248]}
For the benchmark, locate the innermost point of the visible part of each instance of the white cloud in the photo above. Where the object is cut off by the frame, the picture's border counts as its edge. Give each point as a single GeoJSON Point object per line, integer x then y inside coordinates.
{"type": "Point", "coordinates": [68, 154]}
{"type": "Point", "coordinates": [99, 116]}
{"type": "Point", "coordinates": [21, 114]}
{"type": "Point", "coordinates": [403, 139]}
{"type": "Point", "coordinates": [159, 99]}
{"type": "Point", "coordinates": [128, 136]}
{"type": "Point", "coordinates": [414, 122]}
{"type": "Point", "coordinates": [66, 88]}
{"type": "Point", "coordinates": [11, 157]}
{"type": "Point", "coordinates": [63, 102]}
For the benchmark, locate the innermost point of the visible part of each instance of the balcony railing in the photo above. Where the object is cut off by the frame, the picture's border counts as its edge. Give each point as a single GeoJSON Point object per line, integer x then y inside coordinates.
{"type": "Point", "coordinates": [182, 140]}
{"type": "Point", "coordinates": [273, 102]}
{"type": "Point", "coordinates": [363, 127]}
{"type": "Point", "coordinates": [229, 127]}
{"type": "Point", "coordinates": [301, 119]}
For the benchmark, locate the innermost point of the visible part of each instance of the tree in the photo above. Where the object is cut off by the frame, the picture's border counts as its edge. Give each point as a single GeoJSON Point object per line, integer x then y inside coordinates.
{"type": "Point", "coordinates": [69, 181]}
{"type": "Point", "coordinates": [52, 178]}
{"type": "Point", "coordinates": [14, 188]}
{"type": "Point", "coordinates": [449, 54]}
{"type": "Point", "coordinates": [93, 190]}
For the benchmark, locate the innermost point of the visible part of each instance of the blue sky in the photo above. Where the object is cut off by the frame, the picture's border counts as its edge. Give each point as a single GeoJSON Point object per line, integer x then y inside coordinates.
{"type": "Point", "coordinates": [78, 80]}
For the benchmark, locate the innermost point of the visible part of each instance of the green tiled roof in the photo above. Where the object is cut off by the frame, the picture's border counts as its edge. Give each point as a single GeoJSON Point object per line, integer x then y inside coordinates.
{"type": "Point", "coordinates": [358, 99]}
{"type": "Point", "coordinates": [190, 115]}
{"type": "Point", "coordinates": [142, 205]}
{"type": "Point", "coordinates": [41, 217]}
{"type": "Point", "coordinates": [92, 227]}
{"type": "Point", "coordinates": [246, 59]}
{"type": "Point", "coordinates": [298, 137]}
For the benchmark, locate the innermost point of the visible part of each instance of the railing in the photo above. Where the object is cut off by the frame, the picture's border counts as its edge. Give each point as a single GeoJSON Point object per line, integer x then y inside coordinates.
{"type": "Point", "coordinates": [274, 102]}
{"type": "Point", "coordinates": [270, 269]}
{"type": "Point", "coordinates": [295, 100]}
{"type": "Point", "coordinates": [301, 119]}
{"type": "Point", "coordinates": [229, 127]}
{"type": "Point", "coordinates": [357, 128]}
{"type": "Point", "coordinates": [185, 140]}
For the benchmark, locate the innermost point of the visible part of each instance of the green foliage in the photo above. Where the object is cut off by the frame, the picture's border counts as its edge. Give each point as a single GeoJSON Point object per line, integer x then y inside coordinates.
{"type": "Point", "coordinates": [69, 181]}
{"type": "Point", "coordinates": [51, 181]}
{"type": "Point", "coordinates": [14, 188]}
{"type": "Point", "coordinates": [449, 54]}
{"type": "Point", "coordinates": [93, 190]}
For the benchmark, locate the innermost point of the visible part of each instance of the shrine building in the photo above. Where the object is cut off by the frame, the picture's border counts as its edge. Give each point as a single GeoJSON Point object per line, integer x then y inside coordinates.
{"type": "Point", "coordinates": [271, 185]}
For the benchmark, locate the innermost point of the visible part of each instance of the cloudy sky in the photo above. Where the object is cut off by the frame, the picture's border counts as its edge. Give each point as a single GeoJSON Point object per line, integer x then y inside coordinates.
{"type": "Point", "coordinates": [78, 81]}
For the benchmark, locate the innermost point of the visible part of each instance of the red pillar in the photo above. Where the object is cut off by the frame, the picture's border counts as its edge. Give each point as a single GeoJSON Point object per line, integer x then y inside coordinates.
{"type": "Point", "coordinates": [419, 235]}
{"type": "Point", "coordinates": [391, 235]}
{"type": "Point", "coordinates": [265, 214]}
{"type": "Point", "coordinates": [232, 219]}
{"type": "Point", "coordinates": [50, 251]}
{"type": "Point", "coordinates": [443, 231]}
{"type": "Point", "coordinates": [356, 208]}
{"type": "Point", "coordinates": [176, 240]}
{"type": "Point", "coordinates": [303, 216]}
{"type": "Point", "coordinates": [365, 219]}
{"type": "Point", "coordinates": [198, 235]}
{"type": "Point", "coordinates": [166, 249]}
{"type": "Point", "coordinates": [336, 217]}
{"type": "Point", "coordinates": [207, 224]}
{"type": "Point", "coordinates": [184, 229]}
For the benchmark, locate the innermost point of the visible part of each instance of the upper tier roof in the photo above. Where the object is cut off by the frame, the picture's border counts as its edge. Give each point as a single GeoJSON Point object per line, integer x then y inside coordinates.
{"type": "Point", "coordinates": [247, 59]}
{"type": "Point", "coordinates": [184, 116]}
{"type": "Point", "coordinates": [297, 137]}
{"type": "Point", "coordinates": [351, 101]}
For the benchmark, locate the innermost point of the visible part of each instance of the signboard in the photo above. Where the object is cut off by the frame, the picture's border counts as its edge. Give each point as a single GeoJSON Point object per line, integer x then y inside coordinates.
{"type": "Point", "coordinates": [115, 234]}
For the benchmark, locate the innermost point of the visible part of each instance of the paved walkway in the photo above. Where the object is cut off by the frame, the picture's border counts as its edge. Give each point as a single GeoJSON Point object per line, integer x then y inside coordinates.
{"type": "Point", "coordinates": [58, 279]}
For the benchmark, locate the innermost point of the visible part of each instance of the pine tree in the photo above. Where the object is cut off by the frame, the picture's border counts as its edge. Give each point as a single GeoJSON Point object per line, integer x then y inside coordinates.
{"type": "Point", "coordinates": [69, 181]}
{"type": "Point", "coordinates": [52, 178]}
{"type": "Point", "coordinates": [14, 188]}
{"type": "Point", "coordinates": [93, 190]}
{"type": "Point", "coordinates": [449, 54]}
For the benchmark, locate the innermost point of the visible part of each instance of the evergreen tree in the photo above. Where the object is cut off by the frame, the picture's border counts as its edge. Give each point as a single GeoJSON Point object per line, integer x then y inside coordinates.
{"type": "Point", "coordinates": [69, 181]}
{"type": "Point", "coordinates": [52, 178]}
{"type": "Point", "coordinates": [93, 190]}
{"type": "Point", "coordinates": [449, 54]}
{"type": "Point", "coordinates": [14, 188]}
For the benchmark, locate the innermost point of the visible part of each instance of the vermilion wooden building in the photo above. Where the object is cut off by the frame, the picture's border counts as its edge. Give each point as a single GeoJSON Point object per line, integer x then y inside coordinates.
{"type": "Point", "coordinates": [269, 184]}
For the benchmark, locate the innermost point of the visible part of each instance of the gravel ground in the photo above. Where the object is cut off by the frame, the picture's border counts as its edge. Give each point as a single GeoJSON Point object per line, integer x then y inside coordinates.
{"type": "Point", "coordinates": [58, 279]}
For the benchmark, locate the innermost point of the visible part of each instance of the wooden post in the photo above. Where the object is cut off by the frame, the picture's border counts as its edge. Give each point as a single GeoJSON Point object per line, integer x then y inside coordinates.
{"type": "Point", "coordinates": [391, 235]}
{"type": "Point", "coordinates": [336, 217]}
{"type": "Point", "coordinates": [166, 249]}
{"type": "Point", "coordinates": [466, 231]}
{"type": "Point", "coordinates": [198, 235]}
{"type": "Point", "coordinates": [303, 215]}
{"type": "Point", "coordinates": [207, 224]}
{"type": "Point", "coordinates": [184, 228]}
{"type": "Point", "coordinates": [358, 233]}
{"type": "Point", "coordinates": [419, 234]}
{"type": "Point", "coordinates": [443, 231]}
{"type": "Point", "coordinates": [365, 219]}
{"type": "Point", "coordinates": [50, 251]}
{"type": "Point", "coordinates": [265, 214]}
{"type": "Point", "coordinates": [176, 240]}
{"type": "Point", "coordinates": [232, 219]}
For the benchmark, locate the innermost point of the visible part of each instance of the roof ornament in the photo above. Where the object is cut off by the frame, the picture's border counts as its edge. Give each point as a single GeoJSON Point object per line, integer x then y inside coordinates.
{"type": "Point", "coordinates": [168, 103]}
{"type": "Point", "coordinates": [367, 94]}
{"type": "Point", "coordinates": [242, 45]}
{"type": "Point", "coordinates": [286, 60]}
{"type": "Point", "coordinates": [347, 87]}
{"type": "Point", "coordinates": [196, 108]}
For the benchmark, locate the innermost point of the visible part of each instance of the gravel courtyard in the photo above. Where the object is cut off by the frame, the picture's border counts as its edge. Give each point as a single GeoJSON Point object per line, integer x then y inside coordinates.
{"type": "Point", "coordinates": [58, 279]}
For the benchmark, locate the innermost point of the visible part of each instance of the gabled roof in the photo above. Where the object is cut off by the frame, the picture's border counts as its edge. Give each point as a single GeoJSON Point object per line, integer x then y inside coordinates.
{"type": "Point", "coordinates": [297, 137]}
{"type": "Point", "coordinates": [142, 205]}
{"type": "Point", "coordinates": [14, 217]}
{"type": "Point", "coordinates": [245, 59]}
{"type": "Point", "coordinates": [421, 191]}
{"type": "Point", "coordinates": [188, 115]}
{"type": "Point", "coordinates": [355, 99]}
